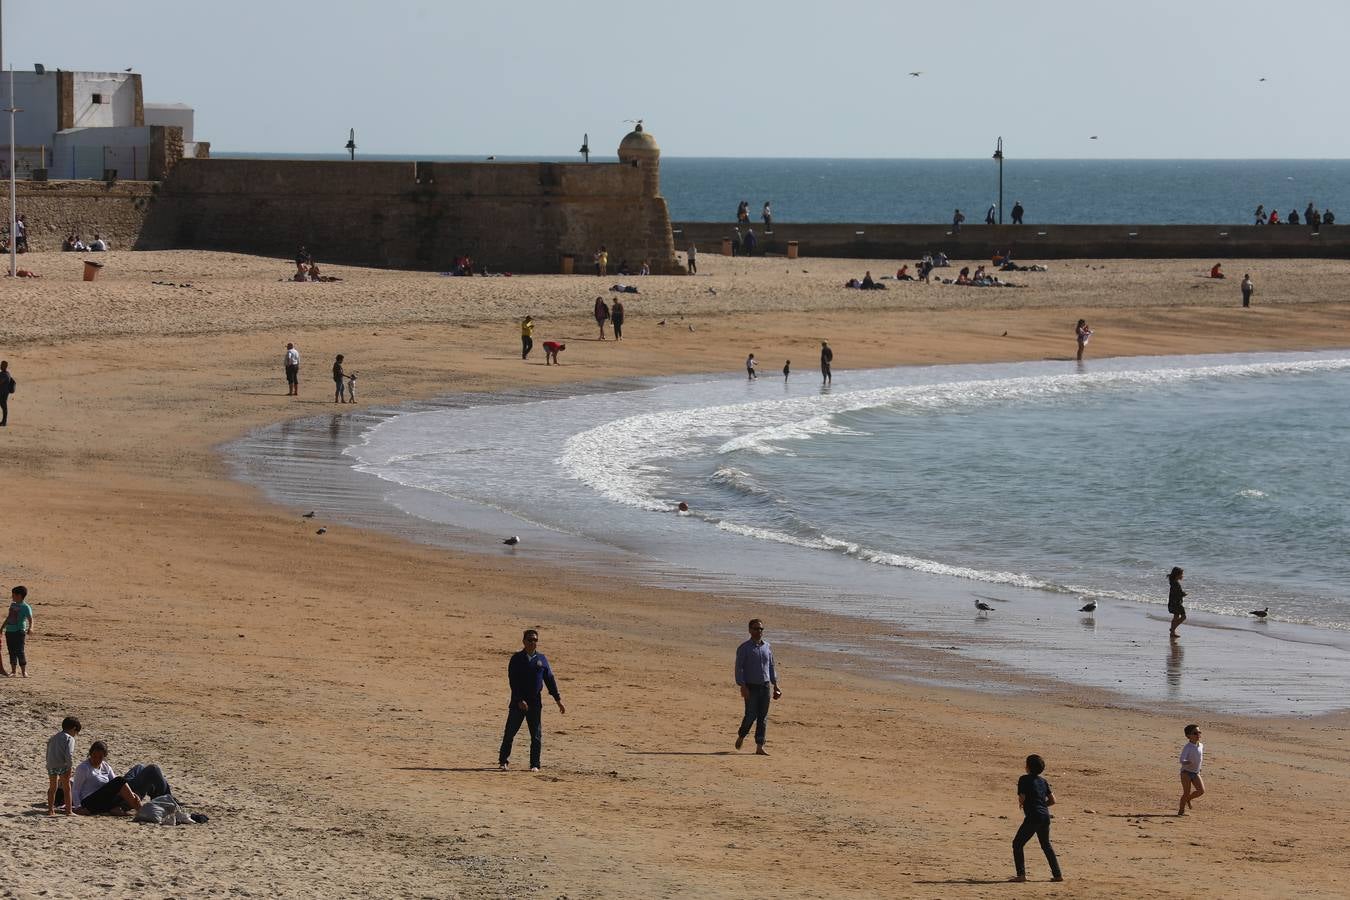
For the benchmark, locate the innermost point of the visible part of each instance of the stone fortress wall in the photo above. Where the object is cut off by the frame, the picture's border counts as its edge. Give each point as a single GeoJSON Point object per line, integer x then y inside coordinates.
{"type": "Point", "coordinates": [512, 217]}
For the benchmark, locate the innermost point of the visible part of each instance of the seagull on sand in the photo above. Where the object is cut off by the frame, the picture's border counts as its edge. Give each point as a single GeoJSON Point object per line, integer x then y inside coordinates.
{"type": "Point", "coordinates": [1260, 613]}
{"type": "Point", "coordinates": [983, 607]}
{"type": "Point", "coordinates": [511, 541]}
{"type": "Point", "coordinates": [308, 515]}
{"type": "Point", "coordinates": [322, 531]}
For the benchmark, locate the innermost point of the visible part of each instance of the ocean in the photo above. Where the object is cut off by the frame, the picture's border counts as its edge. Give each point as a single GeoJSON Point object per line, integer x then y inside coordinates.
{"type": "Point", "coordinates": [904, 495]}
{"type": "Point", "coordinates": [1061, 191]}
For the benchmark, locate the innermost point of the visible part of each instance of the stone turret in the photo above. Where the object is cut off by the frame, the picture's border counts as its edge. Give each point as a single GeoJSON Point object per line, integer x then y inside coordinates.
{"type": "Point", "coordinates": [638, 148]}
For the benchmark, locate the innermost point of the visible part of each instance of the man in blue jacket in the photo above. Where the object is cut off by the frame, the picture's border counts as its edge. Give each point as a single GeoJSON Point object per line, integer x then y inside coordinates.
{"type": "Point", "coordinates": [758, 680]}
{"type": "Point", "coordinates": [529, 674]}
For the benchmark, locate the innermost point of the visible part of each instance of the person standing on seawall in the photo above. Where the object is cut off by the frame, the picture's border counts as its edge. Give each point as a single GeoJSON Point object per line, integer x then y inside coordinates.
{"type": "Point", "coordinates": [1174, 597]}
{"type": "Point", "coordinates": [989, 218]}
{"type": "Point", "coordinates": [7, 385]}
{"type": "Point", "coordinates": [1017, 213]}
{"type": "Point", "coordinates": [826, 362]}
{"type": "Point", "coordinates": [1247, 289]}
{"type": "Point", "coordinates": [957, 218]}
{"type": "Point", "coordinates": [767, 215]}
{"type": "Point", "coordinates": [526, 337]}
{"type": "Point", "coordinates": [755, 674]}
{"type": "Point", "coordinates": [529, 673]}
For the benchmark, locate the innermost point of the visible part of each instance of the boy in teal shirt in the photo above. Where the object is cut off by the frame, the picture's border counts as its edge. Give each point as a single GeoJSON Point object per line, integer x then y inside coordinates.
{"type": "Point", "coordinates": [18, 623]}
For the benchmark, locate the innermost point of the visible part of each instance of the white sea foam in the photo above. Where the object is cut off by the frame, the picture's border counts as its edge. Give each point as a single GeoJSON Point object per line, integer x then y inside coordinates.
{"type": "Point", "coordinates": [762, 427]}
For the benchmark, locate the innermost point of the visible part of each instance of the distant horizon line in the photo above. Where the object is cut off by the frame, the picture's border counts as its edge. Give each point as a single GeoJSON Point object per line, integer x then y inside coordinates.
{"type": "Point", "coordinates": [600, 157]}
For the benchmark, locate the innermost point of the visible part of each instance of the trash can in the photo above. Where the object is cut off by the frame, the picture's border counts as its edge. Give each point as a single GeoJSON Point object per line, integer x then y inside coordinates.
{"type": "Point", "coordinates": [792, 249]}
{"type": "Point", "coordinates": [568, 261]}
{"type": "Point", "coordinates": [91, 269]}
{"type": "Point", "coordinates": [726, 246]}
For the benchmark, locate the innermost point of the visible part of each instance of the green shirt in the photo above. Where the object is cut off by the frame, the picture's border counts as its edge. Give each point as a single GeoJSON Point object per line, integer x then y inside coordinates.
{"type": "Point", "coordinates": [17, 613]}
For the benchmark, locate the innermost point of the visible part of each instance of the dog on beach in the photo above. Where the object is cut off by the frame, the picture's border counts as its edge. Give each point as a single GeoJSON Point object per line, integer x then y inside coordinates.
{"type": "Point", "coordinates": [551, 351]}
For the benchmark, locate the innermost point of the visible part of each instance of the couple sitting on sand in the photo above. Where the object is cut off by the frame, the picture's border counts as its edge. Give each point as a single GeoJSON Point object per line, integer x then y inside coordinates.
{"type": "Point", "coordinates": [309, 271]}
{"type": "Point", "coordinates": [867, 284]}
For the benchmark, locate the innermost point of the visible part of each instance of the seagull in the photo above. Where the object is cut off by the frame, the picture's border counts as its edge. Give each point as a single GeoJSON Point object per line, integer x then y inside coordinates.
{"type": "Point", "coordinates": [1089, 607]}
{"type": "Point", "coordinates": [915, 74]}
{"type": "Point", "coordinates": [1093, 138]}
{"type": "Point", "coordinates": [308, 515]}
{"type": "Point", "coordinates": [492, 157]}
{"type": "Point", "coordinates": [983, 607]}
{"type": "Point", "coordinates": [1260, 613]}
{"type": "Point", "coordinates": [662, 322]}
{"type": "Point", "coordinates": [322, 531]}
{"type": "Point", "coordinates": [1260, 79]}
{"type": "Point", "coordinates": [511, 541]}
{"type": "Point", "coordinates": [691, 327]}
{"type": "Point", "coordinates": [128, 69]}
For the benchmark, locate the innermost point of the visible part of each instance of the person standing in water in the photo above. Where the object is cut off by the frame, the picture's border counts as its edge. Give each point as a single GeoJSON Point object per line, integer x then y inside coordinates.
{"type": "Point", "coordinates": [826, 363]}
{"type": "Point", "coordinates": [1084, 334]}
{"type": "Point", "coordinates": [1174, 597]}
{"type": "Point", "coordinates": [787, 369]}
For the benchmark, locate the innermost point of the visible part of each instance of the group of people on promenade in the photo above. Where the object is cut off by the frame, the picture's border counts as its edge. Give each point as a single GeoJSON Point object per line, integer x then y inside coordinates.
{"type": "Point", "coordinates": [743, 215]}
{"type": "Point", "coordinates": [1311, 217]}
{"type": "Point", "coordinates": [344, 382]}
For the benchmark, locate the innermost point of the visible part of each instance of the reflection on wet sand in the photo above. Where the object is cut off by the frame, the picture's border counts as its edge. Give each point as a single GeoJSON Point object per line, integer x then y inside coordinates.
{"type": "Point", "coordinates": [1175, 654]}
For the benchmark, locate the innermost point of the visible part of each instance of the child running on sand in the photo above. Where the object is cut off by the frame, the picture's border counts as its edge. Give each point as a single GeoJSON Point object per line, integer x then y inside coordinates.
{"type": "Point", "coordinates": [750, 364]}
{"type": "Point", "coordinates": [60, 763]}
{"type": "Point", "coordinates": [1192, 758]}
{"type": "Point", "coordinates": [1035, 798]}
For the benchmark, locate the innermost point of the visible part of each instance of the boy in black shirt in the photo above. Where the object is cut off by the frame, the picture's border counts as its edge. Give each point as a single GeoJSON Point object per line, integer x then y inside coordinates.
{"type": "Point", "coordinates": [1035, 798]}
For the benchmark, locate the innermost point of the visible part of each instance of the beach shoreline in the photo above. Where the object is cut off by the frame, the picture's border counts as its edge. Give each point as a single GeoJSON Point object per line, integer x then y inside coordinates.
{"type": "Point", "coordinates": [356, 681]}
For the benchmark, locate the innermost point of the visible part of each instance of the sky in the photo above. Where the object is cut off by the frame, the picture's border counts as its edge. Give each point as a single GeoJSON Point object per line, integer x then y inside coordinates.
{"type": "Point", "coordinates": [1151, 79]}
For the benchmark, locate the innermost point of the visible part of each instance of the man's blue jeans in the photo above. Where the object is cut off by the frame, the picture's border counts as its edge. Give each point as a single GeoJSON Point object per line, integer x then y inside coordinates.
{"type": "Point", "coordinates": [756, 711]}
{"type": "Point", "coordinates": [534, 717]}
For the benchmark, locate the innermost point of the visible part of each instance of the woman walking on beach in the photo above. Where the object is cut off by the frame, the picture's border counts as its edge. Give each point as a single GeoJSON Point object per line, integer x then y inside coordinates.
{"type": "Point", "coordinates": [616, 318]}
{"type": "Point", "coordinates": [601, 315]}
{"type": "Point", "coordinates": [1084, 333]}
{"type": "Point", "coordinates": [338, 379]}
{"type": "Point", "coordinates": [1174, 597]}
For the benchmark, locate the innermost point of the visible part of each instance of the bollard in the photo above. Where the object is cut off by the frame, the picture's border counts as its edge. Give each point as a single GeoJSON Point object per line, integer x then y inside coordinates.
{"type": "Point", "coordinates": [792, 249]}
{"type": "Point", "coordinates": [91, 269]}
{"type": "Point", "coordinates": [726, 246]}
{"type": "Point", "coordinates": [568, 261]}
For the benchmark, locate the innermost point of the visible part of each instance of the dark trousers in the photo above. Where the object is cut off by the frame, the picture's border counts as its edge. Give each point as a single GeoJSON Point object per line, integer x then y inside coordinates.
{"type": "Point", "coordinates": [756, 711]}
{"type": "Point", "coordinates": [526, 345]}
{"type": "Point", "coordinates": [14, 640]}
{"type": "Point", "coordinates": [1039, 826]}
{"type": "Point", "coordinates": [107, 797]}
{"type": "Point", "coordinates": [534, 718]}
{"type": "Point", "coordinates": [1246, 298]}
{"type": "Point", "coordinates": [147, 781]}
{"type": "Point", "coordinates": [618, 328]}
{"type": "Point", "coordinates": [4, 409]}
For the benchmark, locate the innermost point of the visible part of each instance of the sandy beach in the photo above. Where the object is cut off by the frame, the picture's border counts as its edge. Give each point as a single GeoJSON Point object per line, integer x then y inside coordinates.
{"type": "Point", "coordinates": [334, 702]}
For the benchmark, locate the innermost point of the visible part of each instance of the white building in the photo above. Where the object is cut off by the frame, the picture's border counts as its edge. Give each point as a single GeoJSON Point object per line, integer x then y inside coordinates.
{"type": "Point", "coordinates": [88, 124]}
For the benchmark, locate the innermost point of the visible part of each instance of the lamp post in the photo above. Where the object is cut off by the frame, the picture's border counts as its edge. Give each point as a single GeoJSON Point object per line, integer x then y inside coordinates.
{"type": "Point", "coordinates": [998, 155]}
{"type": "Point", "coordinates": [585, 150]}
{"type": "Point", "coordinates": [13, 206]}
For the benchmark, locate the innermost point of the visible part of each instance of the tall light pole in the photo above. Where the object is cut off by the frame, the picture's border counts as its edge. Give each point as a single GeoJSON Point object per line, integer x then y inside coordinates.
{"type": "Point", "coordinates": [13, 208]}
{"type": "Point", "coordinates": [998, 155]}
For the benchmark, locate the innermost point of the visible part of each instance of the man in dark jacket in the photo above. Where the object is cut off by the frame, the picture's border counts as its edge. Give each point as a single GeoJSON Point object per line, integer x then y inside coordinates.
{"type": "Point", "coordinates": [529, 673]}
{"type": "Point", "coordinates": [6, 388]}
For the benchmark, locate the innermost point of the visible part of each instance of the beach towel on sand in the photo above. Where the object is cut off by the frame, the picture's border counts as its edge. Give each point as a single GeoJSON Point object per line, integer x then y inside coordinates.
{"type": "Point", "coordinates": [163, 811]}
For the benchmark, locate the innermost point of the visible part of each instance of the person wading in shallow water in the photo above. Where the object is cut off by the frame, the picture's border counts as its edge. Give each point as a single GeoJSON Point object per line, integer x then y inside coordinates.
{"type": "Point", "coordinates": [1174, 597]}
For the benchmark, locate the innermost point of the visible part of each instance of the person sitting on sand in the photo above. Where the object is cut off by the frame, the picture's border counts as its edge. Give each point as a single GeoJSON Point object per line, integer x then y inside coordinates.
{"type": "Point", "coordinates": [98, 244]}
{"type": "Point", "coordinates": [902, 273]}
{"type": "Point", "coordinates": [963, 277]}
{"type": "Point", "coordinates": [867, 282]}
{"type": "Point", "coordinates": [301, 272]}
{"type": "Point", "coordinates": [1215, 272]}
{"type": "Point", "coordinates": [24, 273]}
{"type": "Point", "coordinates": [941, 261]}
{"type": "Point", "coordinates": [97, 789]}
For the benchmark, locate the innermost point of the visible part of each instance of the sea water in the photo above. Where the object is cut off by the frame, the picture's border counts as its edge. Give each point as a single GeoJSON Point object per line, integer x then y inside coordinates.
{"type": "Point", "coordinates": [902, 496]}
{"type": "Point", "coordinates": [1063, 191]}
{"type": "Point", "coordinates": [1090, 481]}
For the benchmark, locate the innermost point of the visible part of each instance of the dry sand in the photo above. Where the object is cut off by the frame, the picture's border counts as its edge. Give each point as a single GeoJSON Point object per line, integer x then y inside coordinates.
{"type": "Point", "coordinates": [334, 702]}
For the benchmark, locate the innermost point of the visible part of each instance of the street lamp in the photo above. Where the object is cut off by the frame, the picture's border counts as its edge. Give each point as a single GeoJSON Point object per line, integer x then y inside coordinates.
{"type": "Point", "coordinates": [998, 155]}
{"type": "Point", "coordinates": [585, 150]}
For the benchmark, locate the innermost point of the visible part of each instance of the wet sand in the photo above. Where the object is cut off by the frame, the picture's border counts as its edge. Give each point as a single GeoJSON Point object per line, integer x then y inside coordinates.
{"type": "Point", "coordinates": [334, 702]}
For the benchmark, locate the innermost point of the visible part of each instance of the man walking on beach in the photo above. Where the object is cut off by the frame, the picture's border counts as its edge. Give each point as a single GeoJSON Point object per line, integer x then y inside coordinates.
{"type": "Point", "coordinates": [292, 371]}
{"type": "Point", "coordinates": [755, 674]}
{"type": "Point", "coordinates": [6, 388]}
{"type": "Point", "coordinates": [528, 673]}
{"type": "Point", "coordinates": [1247, 288]}
{"type": "Point", "coordinates": [826, 360]}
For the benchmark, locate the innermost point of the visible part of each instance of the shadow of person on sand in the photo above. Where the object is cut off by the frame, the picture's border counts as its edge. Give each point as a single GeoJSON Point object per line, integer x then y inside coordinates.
{"type": "Point", "coordinates": [685, 753]}
{"type": "Point", "coordinates": [446, 769]}
{"type": "Point", "coordinates": [963, 881]}
{"type": "Point", "coordinates": [1141, 815]}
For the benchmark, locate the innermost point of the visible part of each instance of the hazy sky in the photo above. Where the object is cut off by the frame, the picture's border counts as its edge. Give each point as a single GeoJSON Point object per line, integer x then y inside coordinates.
{"type": "Point", "coordinates": [1151, 78]}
